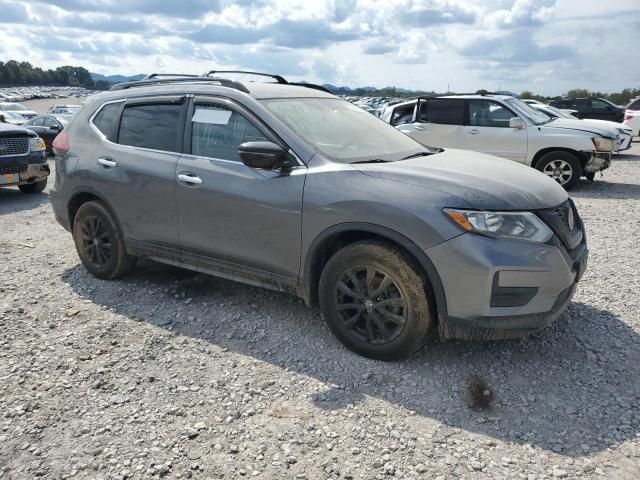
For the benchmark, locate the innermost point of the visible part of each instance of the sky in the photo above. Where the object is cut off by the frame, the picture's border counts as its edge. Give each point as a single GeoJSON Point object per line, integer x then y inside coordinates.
{"type": "Point", "coordinates": [546, 46]}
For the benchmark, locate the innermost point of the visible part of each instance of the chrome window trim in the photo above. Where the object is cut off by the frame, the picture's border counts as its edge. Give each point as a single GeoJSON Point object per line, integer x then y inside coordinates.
{"type": "Point", "coordinates": [95, 114]}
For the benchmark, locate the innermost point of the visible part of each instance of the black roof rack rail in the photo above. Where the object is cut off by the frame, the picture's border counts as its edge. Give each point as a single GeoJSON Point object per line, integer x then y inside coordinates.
{"type": "Point", "coordinates": [277, 78]}
{"type": "Point", "coordinates": [152, 76]}
{"type": "Point", "coordinates": [182, 79]}
{"type": "Point", "coordinates": [311, 85]}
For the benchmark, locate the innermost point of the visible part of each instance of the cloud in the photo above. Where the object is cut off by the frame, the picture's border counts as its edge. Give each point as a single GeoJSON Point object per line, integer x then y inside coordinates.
{"type": "Point", "coordinates": [13, 12]}
{"type": "Point", "coordinates": [379, 48]}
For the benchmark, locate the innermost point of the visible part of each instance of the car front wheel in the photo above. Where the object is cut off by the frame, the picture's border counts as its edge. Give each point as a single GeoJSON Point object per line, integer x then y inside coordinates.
{"type": "Point", "coordinates": [374, 301]}
{"type": "Point", "coordinates": [35, 187]}
{"type": "Point", "coordinates": [563, 167]}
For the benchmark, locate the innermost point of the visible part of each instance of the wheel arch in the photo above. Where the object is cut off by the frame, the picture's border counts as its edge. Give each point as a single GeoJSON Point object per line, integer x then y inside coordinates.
{"type": "Point", "coordinates": [338, 236]}
{"type": "Point", "coordinates": [81, 197]}
{"type": "Point", "coordinates": [542, 152]}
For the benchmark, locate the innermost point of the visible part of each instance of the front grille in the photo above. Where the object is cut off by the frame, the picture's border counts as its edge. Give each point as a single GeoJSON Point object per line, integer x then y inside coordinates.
{"type": "Point", "coordinates": [8, 169]}
{"type": "Point", "coordinates": [565, 223]}
{"type": "Point", "coordinates": [14, 146]}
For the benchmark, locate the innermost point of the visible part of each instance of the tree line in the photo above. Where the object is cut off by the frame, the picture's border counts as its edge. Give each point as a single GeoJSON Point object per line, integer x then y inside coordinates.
{"type": "Point", "coordinates": [23, 73]}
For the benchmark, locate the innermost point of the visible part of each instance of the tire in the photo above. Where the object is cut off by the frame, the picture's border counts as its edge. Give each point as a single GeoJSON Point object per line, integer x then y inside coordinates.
{"type": "Point", "coordinates": [35, 187]}
{"type": "Point", "coordinates": [591, 176]}
{"type": "Point", "coordinates": [374, 300]}
{"type": "Point", "coordinates": [99, 242]}
{"type": "Point", "coordinates": [563, 167]}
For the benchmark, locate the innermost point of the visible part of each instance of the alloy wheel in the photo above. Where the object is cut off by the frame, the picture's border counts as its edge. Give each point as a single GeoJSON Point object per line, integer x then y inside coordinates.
{"type": "Point", "coordinates": [560, 170]}
{"type": "Point", "coordinates": [370, 304]}
{"type": "Point", "coordinates": [96, 241]}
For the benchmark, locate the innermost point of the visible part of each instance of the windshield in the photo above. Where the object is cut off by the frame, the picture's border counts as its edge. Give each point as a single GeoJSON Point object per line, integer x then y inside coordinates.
{"type": "Point", "coordinates": [12, 106]}
{"type": "Point", "coordinates": [559, 113]}
{"type": "Point", "coordinates": [535, 116]}
{"type": "Point", "coordinates": [15, 116]}
{"type": "Point", "coordinates": [342, 131]}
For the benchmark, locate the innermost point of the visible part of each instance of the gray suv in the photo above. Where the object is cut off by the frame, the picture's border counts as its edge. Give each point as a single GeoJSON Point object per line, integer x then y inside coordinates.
{"type": "Point", "coordinates": [288, 187]}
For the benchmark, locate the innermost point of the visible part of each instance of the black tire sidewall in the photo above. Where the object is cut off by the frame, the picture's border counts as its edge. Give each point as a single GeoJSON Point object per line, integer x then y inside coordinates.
{"type": "Point", "coordinates": [407, 279]}
{"type": "Point", "coordinates": [570, 158]}
{"type": "Point", "coordinates": [94, 209]}
{"type": "Point", "coordinates": [35, 187]}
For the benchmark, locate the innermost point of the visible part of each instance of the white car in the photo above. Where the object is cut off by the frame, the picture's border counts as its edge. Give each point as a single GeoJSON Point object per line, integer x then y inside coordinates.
{"type": "Point", "coordinates": [624, 133]}
{"type": "Point", "coordinates": [17, 108]}
{"type": "Point", "coordinates": [632, 116]}
{"type": "Point", "coordinates": [503, 126]}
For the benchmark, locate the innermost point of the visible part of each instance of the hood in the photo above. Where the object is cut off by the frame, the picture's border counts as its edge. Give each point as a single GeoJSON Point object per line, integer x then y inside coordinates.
{"type": "Point", "coordinates": [606, 124]}
{"type": "Point", "coordinates": [482, 181]}
{"type": "Point", "coordinates": [582, 126]}
{"type": "Point", "coordinates": [7, 130]}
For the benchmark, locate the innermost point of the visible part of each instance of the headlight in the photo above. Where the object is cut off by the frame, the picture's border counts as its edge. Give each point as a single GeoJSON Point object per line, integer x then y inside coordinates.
{"type": "Point", "coordinates": [518, 225]}
{"type": "Point", "coordinates": [603, 144]}
{"type": "Point", "coordinates": [37, 144]}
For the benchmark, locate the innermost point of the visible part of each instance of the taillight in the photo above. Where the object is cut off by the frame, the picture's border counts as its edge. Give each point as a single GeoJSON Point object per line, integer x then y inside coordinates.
{"type": "Point", "coordinates": [628, 116]}
{"type": "Point", "coordinates": [61, 143]}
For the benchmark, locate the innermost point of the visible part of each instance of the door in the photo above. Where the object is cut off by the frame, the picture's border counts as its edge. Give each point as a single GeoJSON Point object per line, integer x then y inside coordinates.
{"type": "Point", "coordinates": [438, 123]}
{"type": "Point", "coordinates": [602, 110]}
{"type": "Point", "coordinates": [230, 212]}
{"type": "Point", "coordinates": [135, 166]}
{"type": "Point", "coordinates": [487, 130]}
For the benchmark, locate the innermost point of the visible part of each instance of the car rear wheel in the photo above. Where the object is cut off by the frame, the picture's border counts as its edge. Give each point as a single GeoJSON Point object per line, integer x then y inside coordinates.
{"type": "Point", "coordinates": [99, 242]}
{"type": "Point", "coordinates": [35, 187]}
{"type": "Point", "coordinates": [563, 167]}
{"type": "Point", "coordinates": [374, 301]}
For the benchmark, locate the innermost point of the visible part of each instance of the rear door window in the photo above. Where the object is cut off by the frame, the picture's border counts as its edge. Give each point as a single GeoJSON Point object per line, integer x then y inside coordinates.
{"type": "Point", "coordinates": [444, 111]}
{"type": "Point", "coordinates": [105, 120]}
{"type": "Point", "coordinates": [217, 132]}
{"type": "Point", "coordinates": [402, 114]}
{"type": "Point", "coordinates": [156, 126]}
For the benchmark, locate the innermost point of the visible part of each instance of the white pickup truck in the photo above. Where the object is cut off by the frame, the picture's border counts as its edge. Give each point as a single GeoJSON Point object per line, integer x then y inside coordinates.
{"type": "Point", "coordinates": [504, 126]}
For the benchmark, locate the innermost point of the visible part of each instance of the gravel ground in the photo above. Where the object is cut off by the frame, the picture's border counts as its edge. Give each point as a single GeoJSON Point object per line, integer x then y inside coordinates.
{"type": "Point", "coordinates": [172, 374]}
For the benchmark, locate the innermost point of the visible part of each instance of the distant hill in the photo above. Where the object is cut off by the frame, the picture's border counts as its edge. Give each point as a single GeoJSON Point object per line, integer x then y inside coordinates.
{"type": "Point", "coordinates": [115, 78]}
{"type": "Point", "coordinates": [374, 92]}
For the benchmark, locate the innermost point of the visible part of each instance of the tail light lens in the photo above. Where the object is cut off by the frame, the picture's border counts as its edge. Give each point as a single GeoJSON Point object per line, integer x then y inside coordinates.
{"type": "Point", "coordinates": [61, 143]}
{"type": "Point", "coordinates": [628, 116]}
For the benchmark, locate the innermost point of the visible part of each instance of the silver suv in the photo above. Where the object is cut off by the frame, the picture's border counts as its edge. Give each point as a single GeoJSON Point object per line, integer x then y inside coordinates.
{"type": "Point", "coordinates": [504, 126]}
{"type": "Point", "coordinates": [291, 188]}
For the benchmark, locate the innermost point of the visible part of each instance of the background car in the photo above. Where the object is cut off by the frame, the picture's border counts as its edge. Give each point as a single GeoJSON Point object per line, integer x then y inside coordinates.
{"type": "Point", "coordinates": [47, 127]}
{"type": "Point", "coordinates": [17, 108]}
{"type": "Point", "coordinates": [622, 131]}
{"type": "Point", "coordinates": [504, 126]}
{"type": "Point", "coordinates": [13, 118]}
{"type": "Point", "coordinates": [598, 108]}
{"type": "Point", "coordinates": [632, 116]}
{"type": "Point", "coordinates": [64, 109]}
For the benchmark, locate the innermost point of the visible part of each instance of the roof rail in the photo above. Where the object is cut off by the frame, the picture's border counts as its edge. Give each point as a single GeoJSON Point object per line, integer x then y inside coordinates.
{"type": "Point", "coordinates": [182, 79]}
{"type": "Point", "coordinates": [151, 76]}
{"type": "Point", "coordinates": [277, 78]}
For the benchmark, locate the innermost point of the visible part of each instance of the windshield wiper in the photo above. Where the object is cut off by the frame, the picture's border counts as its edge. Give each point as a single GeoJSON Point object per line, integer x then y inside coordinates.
{"type": "Point", "coordinates": [414, 155]}
{"type": "Point", "coordinates": [372, 160]}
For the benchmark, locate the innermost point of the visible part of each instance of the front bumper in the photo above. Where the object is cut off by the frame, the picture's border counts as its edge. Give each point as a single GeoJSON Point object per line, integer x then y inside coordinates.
{"type": "Point", "coordinates": [597, 161]}
{"type": "Point", "coordinates": [473, 268]}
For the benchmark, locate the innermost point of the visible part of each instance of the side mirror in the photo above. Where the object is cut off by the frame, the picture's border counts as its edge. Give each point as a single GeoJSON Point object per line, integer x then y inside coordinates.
{"type": "Point", "coordinates": [265, 155]}
{"type": "Point", "coordinates": [516, 122]}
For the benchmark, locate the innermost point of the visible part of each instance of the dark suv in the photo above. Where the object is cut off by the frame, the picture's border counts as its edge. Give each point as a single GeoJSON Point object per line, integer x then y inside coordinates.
{"type": "Point", "coordinates": [23, 161]}
{"type": "Point", "coordinates": [597, 108]}
{"type": "Point", "coordinates": [291, 188]}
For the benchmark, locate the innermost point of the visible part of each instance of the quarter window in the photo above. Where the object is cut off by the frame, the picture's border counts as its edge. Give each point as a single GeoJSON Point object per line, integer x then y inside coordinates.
{"type": "Point", "coordinates": [153, 126]}
{"type": "Point", "coordinates": [105, 120]}
{"type": "Point", "coordinates": [217, 132]}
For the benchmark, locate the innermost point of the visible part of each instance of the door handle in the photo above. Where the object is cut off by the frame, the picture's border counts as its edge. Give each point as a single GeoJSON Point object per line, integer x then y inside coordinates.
{"type": "Point", "coordinates": [107, 162]}
{"type": "Point", "coordinates": [473, 132]}
{"type": "Point", "coordinates": [190, 179]}
{"type": "Point", "coordinates": [419, 127]}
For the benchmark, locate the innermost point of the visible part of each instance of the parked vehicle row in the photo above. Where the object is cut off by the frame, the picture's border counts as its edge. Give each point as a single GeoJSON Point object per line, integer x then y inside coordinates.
{"type": "Point", "coordinates": [504, 126]}
{"type": "Point", "coordinates": [289, 187]}
{"type": "Point", "coordinates": [595, 108]}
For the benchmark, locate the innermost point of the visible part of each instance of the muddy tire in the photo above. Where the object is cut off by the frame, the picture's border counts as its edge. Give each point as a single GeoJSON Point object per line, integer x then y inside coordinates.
{"type": "Point", "coordinates": [373, 298]}
{"type": "Point", "coordinates": [99, 242]}
{"type": "Point", "coordinates": [35, 187]}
